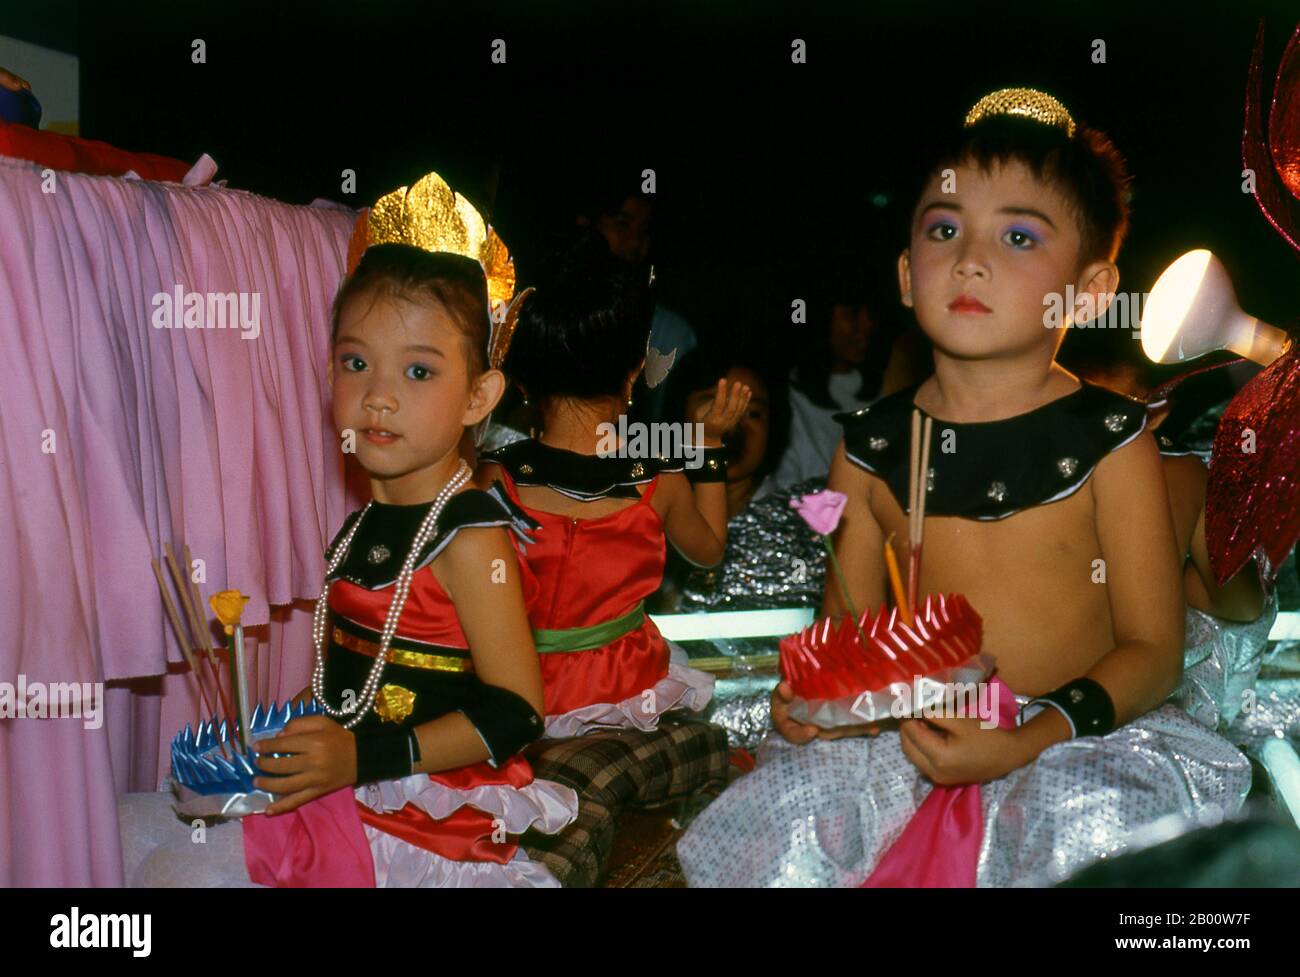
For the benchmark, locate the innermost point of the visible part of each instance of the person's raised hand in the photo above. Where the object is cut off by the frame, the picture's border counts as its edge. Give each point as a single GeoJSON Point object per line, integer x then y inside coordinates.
{"type": "Point", "coordinates": [730, 401]}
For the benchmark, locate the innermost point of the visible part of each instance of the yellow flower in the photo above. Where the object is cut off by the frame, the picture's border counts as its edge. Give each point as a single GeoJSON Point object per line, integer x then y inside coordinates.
{"type": "Point", "coordinates": [229, 605]}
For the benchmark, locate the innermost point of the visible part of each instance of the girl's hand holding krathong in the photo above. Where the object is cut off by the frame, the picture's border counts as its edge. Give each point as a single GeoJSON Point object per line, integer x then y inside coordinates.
{"type": "Point", "coordinates": [724, 412]}
{"type": "Point", "coordinates": [324, 759]}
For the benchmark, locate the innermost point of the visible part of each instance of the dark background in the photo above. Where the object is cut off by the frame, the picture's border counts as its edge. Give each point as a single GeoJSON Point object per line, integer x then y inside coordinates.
{"type": "Point", "coordinates": [769, 173]}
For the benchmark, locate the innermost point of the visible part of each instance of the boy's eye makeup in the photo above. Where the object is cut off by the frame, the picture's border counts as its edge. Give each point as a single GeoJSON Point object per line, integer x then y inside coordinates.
{"type": "Point", "coordinates": [943, 229]}
{"type": "Point", "coordinates": [1022, 237]}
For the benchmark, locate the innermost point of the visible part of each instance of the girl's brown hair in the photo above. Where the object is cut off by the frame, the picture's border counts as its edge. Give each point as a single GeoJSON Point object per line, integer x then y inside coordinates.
{"type": "Point", "coordinates": [454, 282]}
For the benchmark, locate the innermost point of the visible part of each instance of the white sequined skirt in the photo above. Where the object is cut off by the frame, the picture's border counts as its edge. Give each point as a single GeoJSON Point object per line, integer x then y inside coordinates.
{"type": "Point", "coordinates": [823, 814]}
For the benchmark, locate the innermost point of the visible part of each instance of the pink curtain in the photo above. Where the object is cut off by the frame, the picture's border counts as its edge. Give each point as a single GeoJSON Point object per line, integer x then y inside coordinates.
{"type": "Point", "coordinates": [117, 436]}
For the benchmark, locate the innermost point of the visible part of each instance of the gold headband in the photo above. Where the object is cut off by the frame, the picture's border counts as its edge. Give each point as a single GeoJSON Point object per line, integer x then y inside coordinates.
{"type": "Point", "coordinates": [433, 217]}
{"type": "Point", "coordinates": [1029, 102]}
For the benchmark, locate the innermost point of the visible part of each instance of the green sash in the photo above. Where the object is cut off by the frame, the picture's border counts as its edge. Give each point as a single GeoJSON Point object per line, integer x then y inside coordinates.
{"type": "Point", "coordinates": [593, 636]}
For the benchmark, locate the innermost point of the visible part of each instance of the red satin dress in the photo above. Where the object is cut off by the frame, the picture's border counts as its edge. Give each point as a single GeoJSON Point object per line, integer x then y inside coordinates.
{"type": "Point", "coordinates": [429, 618]}
{"type": "Point", "coordinates": [591, 571]}
{"type": "Point", "coordinates": [457, 827]}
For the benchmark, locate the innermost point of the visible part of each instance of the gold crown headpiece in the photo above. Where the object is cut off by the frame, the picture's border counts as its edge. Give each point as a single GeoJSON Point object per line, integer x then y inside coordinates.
{"type": "Point", "coordinates": [433, 217]}
{"type": "Point", "coordinates": [1029, 102]}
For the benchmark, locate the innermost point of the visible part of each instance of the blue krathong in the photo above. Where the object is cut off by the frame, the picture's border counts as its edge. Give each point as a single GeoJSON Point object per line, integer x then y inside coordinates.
{"type": "Point", "coordinates": [197, 761]}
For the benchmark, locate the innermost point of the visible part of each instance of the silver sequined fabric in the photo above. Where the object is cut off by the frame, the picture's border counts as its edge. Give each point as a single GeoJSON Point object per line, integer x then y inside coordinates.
{"type": "Point", "coordinates": [1274, 712]}
{"type": "Point", "coordinates": [744, 711]}
{"type": "Point", "coordinates": [772, 559]}
{"type": "Point", "coordinates": [822, 814]}
{"type": "Point", "coordinates": [1222, 664]}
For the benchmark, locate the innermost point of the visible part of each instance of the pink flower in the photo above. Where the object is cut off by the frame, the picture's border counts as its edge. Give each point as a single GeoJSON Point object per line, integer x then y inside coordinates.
{"type": "Point", "coordinates": [821, 510]}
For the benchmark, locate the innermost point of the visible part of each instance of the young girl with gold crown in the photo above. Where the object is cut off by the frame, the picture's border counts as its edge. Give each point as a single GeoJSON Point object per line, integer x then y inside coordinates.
{"type": "Point", "coordinates": [425, 667]}
{"type": "Point", "coordinates": [604, 514]}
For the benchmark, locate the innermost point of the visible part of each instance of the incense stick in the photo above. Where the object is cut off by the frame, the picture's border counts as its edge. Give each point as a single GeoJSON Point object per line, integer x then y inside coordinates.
{"type": "Point", "coordinates": [210, 654]}
{"type": "Point", "coordinates": [914, 463]}
{"type": "Point", "coordinates": [180, 634]}
{"type": "Point", "coordinates": [918, 508]}
{"type": "Point", "coordinates": [183, 587]}
{"type": "Point", "coordinates": [206, 635]}
{"type": "Point", "coordinates": [183, 638]}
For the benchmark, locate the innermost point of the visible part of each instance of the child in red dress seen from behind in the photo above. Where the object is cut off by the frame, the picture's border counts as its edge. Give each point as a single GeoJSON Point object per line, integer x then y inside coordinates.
{"type": "Point", "coordinates": [605, 506]}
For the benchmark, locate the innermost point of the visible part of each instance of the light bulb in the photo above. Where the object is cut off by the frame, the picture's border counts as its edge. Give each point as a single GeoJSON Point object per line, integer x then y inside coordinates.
{"type": "Point", "coordinates": [1192, 310]}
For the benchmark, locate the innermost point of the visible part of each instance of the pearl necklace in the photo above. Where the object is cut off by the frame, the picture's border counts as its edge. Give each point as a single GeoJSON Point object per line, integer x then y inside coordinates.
{"type": "Point", "coordinates": [319, 617]}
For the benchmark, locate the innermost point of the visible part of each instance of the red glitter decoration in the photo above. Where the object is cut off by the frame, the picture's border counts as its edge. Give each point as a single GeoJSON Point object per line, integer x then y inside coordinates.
{"type": "Point", "coordinates": [1276, 160]}
{"type": "Point", "coordinates": [826, 661]}
{"type": "Point", "coordinates": [1251, 501]}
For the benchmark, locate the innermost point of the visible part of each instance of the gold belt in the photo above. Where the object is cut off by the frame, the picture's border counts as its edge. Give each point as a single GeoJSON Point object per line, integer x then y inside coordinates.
{"type": "Point", "coordinates": [403, 656]}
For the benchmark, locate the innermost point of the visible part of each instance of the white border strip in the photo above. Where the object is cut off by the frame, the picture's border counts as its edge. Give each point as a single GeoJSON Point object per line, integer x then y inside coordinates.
{"type": "Point", "coordinates": [782, 621]}
{"type": "Point", "coordinates": [1286, 627]}
{"type": "Point", "coordinates": [1279, 759]}
{"type": "Point", "coordinates": [733, 624]}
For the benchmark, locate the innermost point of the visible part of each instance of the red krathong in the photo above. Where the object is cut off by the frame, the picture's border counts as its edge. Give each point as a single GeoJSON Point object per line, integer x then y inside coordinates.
{"type": "Point", "coordinates": [826, 661]}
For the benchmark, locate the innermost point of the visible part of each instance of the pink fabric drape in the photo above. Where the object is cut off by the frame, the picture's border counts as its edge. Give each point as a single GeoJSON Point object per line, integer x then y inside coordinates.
{"type": "Point", "coordinates": [320, 845]}
{"type": "Point", "coordinates": [116, 436]}
{"type": "Point", "coordinates": [940, 847]}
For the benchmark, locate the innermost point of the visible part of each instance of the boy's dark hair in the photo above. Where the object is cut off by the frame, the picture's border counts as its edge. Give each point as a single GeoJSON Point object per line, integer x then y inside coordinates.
{"type": "Point", "coordinates": [404, 271]}
{"type": "Point", "coordinates": [584, 329]}
{"type": "Point", "coordinates": [1086, 168]}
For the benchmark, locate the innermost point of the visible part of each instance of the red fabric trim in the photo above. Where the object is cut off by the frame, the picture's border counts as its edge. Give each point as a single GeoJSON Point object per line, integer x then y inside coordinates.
{"type": "Point", "coordinates": [75, 155]}
{"type": "Point", "coordinates": [465, 836]}
{"type": "Point", "coordinates": [515, 773]}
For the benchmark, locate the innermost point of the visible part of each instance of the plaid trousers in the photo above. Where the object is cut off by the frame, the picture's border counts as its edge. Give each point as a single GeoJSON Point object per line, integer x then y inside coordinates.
{"type": "Point", "coordinates": [618, 768]}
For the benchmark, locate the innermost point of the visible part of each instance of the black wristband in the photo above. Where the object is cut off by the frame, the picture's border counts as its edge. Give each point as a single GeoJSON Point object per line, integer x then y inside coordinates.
{"type": "Point", "coordinates": [713, 467]}
{"type": "Point", "coordinates": [506, 722]}
{"type": "Point", "coordinates": [383, 753]}
{"type": "Point", "coordinates": [1086, 706]}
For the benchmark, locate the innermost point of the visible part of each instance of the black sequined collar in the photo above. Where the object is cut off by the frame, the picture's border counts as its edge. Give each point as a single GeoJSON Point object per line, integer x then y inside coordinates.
{"type": "Point", "coordinates": [994, 469]}
{"type": "Point", "coordinates": [384, 537]}
{"type": "Point", "coordinates": [581, 477]}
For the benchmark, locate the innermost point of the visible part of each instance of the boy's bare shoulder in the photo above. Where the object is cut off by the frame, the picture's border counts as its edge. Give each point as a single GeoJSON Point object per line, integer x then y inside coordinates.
{"type": "Point", "coordinates": [1138, 459]}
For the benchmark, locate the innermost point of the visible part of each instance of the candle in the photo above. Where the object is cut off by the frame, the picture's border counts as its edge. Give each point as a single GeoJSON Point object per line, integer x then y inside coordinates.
{"type": "Point", "coordinates": [241, 687]}
{"type": "Point", "coordinates": [896, 582]}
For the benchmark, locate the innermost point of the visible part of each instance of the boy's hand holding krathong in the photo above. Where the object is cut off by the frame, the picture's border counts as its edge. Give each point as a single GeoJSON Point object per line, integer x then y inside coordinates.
{"type": "Point", "coordinates": [952, 751]}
